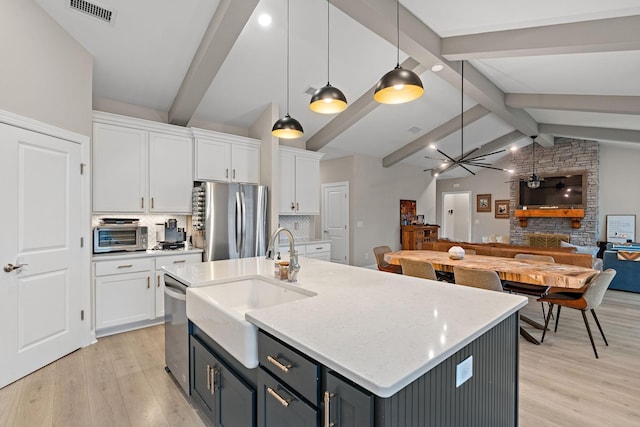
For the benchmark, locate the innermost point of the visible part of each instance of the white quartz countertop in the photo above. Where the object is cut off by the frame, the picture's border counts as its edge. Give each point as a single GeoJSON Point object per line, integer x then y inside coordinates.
{"type": "Point", "coordinates": [380, 330]}
{"type": "Point", "coordinates": [142, 254]}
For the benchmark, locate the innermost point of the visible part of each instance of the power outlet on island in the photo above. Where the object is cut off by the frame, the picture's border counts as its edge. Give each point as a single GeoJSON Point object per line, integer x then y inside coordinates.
{"type": "Point", "coordinates": [464, 371]}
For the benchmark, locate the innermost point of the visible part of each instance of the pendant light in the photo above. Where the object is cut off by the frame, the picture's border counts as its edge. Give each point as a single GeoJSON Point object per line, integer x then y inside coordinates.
{"type": "Point", "coordinates": [328, 99]}
{"type": "Point", "coordinates": [287, 127]}
{"type": "Point", "coordinates": [398, 85]}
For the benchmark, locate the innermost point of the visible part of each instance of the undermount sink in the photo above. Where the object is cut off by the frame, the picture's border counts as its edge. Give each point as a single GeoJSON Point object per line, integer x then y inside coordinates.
{"type": "Point", "coordinates": [219, 311]}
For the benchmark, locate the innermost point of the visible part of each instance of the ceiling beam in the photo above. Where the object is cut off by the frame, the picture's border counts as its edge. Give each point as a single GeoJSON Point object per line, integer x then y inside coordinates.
{"type": "Point", "coordinates": [356, 111]}
{"type": "Point", "coordinates": [223, 30]}
{"type": "Point", "coordinates": [602, 35]}
{"type": "Point", "coordinates": [614, 104]}
{"type": "Point", "coordinates": [592, 133]}
{"type": "Point", "coordinates": [434, 135]}
{"type": "Point", "coordinates": [420, 42]}
{"type": "Point", "coordinates": [497, 144]}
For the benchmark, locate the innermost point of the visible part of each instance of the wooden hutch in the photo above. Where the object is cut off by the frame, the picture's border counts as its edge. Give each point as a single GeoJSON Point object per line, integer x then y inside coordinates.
{"type": "Point", "coordinates": [415, 236]}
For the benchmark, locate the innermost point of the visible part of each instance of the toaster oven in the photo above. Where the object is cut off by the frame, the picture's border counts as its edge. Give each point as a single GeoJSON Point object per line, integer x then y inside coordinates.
{"type": "Point", "coordinates": [115, 238]}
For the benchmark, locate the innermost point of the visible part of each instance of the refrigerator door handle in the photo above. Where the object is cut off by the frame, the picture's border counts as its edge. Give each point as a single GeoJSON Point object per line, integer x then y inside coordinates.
{"type": "Point", "coordinates": [243, 223]}
{"type": "Point", "coordinates": [238, 224]}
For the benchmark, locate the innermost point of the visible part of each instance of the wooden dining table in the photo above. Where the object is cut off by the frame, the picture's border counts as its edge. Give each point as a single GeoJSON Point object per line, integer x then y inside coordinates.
{"type": "Point", "coordinates": [515, 270]}
{"type": "Point", "coordinates": [544, 274]}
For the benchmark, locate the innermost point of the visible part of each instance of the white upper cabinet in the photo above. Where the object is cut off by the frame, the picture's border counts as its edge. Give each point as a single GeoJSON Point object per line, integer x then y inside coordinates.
{"type": "Point", "coordinates": [226, 158]}
{"type": "Point", "coordinates": [170, 173]}
{"type": "Point", "coordinates": [119, 168]}
{"type": "Point", "coordinates": [299, 182]}
{"type": "Point", "coordinates": [140, 166]}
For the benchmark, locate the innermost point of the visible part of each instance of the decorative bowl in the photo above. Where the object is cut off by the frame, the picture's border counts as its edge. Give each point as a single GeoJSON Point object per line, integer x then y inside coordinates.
{"type": "Point", "coordinates": [456, 252]}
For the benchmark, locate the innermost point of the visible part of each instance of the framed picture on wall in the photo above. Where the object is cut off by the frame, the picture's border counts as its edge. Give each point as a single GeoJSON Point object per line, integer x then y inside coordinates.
{"type": "Point", "coordinates": [483, 203]}
{"type": "Point", "coordinates": [407, 212]}
{"type": "Point", "coordinates": [502, 209]}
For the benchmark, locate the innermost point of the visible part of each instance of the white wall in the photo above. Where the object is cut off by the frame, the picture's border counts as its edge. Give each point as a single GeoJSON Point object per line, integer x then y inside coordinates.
{"type": "Point", "coordinates": [45, 74]}
{"type": "Point", "coordinates": [619, 177]}
{"type": "Point", "coordinates": [374, 205]}
{"type": "Point", "coordinates": [487, 181]}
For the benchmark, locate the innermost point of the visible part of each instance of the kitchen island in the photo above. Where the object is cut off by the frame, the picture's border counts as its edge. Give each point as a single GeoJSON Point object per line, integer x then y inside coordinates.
{"type": "Point", "coordinates": [423, 349]}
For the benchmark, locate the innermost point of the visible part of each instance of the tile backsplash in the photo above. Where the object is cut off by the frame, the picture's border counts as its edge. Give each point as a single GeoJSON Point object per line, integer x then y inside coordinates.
{"type": "Point", "coordinates": [301, 226]}
{"type": "Point", "coordinates": [149, 221]}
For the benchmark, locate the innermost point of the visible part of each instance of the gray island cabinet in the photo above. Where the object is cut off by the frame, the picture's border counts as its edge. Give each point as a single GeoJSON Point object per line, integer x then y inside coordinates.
{"type": "Point", "coordinates": [367, 349]}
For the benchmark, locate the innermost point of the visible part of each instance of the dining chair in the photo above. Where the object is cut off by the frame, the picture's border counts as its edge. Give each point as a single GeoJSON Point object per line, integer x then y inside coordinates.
{"type": "Point", "coordinates": [383, 265]}
{"type": "Point", "coordinates": [526, 288]}
{"type": "Point", "coordinates": [422, 269]}
{"type": "Point", "coordinates": [485, 279]}
{"type": "Point", "coordinates": [590, 299]}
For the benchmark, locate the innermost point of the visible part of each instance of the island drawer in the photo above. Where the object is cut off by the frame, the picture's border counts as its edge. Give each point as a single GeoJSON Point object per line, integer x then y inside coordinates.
{"type": "Point", "coordinates": [131, 265]}
{"type": "Point", "coordinates": [293, 368]}
{"type": "Point", "coordinates": [169, 260]}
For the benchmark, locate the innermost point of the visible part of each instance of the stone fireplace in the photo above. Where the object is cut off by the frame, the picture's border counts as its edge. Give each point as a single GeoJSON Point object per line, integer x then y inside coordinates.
{"type": "Point", "coordinates": [567, 155]}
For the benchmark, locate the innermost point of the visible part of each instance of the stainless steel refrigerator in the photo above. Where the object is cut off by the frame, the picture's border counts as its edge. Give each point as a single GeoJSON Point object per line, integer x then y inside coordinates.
{"type": "Point", "coordinates": [230, 220]}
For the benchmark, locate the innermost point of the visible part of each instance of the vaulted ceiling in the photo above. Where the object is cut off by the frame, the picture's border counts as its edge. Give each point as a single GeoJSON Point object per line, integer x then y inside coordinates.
{"type": "Point", "coordinates": [550, 68]}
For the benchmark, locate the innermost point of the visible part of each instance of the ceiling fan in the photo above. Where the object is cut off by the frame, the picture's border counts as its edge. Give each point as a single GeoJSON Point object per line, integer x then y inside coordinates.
{"type": "Point", "coordinates": [467, 159]}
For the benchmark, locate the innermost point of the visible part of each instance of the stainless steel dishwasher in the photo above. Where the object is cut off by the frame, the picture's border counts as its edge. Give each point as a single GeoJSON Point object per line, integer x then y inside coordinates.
{"type": "Point", "coordinates": [176, 331]}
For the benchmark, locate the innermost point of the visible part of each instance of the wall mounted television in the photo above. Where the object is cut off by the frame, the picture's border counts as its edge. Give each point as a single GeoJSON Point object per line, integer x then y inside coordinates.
{"type": "Point", "coordinates": [563, 191]}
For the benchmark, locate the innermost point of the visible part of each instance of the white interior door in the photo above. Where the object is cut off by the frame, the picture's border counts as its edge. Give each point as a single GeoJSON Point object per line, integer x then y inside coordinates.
{"type": "Point", "coordinates": [40, 279]}
{"type": "Point", "coordinates": [335, 219]}
{"type": "Point", "coordinates": [456, 216]}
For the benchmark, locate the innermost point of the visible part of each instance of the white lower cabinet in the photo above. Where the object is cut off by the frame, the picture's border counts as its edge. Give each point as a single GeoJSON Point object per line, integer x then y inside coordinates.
{"type": "Point", "coordinates": [310, 250]}
{"type": "Point", "coordinates": [129, 292]}
{"type": "Point", "coordinates": [124, 292]}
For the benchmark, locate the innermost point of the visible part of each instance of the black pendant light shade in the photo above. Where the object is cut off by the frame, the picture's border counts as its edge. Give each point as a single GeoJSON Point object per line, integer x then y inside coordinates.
{"type": "Point", "coordinates": [328, 100]}
{"type": "Point", "coordinates": [287, 128]}
{"type": "Point", "coordinates": [398, 86]}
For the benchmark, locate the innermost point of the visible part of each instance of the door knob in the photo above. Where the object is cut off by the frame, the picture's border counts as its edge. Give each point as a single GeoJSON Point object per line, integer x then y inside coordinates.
{"type": "Point", "coordinates": [10, 267]}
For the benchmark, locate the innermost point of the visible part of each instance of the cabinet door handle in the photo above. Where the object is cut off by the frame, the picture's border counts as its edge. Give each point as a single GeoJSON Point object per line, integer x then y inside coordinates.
{"type": "Point", "coordinates": [152, 202]}
{"type": "Point", "coordinates": [209, 377]}
{"type": "Point", "coordinates": [283, 368]}
{"type": "Point", "coordinates": [213, 373]}
{"type": "Point", "coordinates": [125, 266]}
{"type": "Point", "coordinates": [226, 173]}
{"type": "Point", "coordinates": [179, 261]}
{"type": "Point", "coordinates": [327, 412]}
{"type": "Point", "coordinates": [293, 206]}
{"type": "Point", "coordinates": [284, 402]}
{"type": "Point", "coordinates": [297, 206]}
{"type": "Point", "coordinates": [158, 280]}
{"type": "Point", "coordinates": [148, 282]}
{"type": "Point", "coordinates": [142, 202]}
{"type": "Point", "coordinates": [234, 174]}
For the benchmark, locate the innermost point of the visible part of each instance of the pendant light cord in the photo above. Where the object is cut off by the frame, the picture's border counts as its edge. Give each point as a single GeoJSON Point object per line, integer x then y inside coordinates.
{"type": "Point", "coordinates": [398, 33]}
{"type": "Point", "coordinates": [462, 110]}
{"type": "Point", "coordinates": [328, 79]}
{"type": "Point", "coordinates": [288, 30]}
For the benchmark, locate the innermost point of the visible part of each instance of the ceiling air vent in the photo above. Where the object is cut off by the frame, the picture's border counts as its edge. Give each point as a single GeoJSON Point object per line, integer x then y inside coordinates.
{"type": "Point", "coordinates": [91, 9]}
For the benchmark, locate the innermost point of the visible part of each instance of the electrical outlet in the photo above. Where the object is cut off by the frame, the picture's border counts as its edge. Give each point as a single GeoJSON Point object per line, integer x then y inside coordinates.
{"type": "Point", "coordinates": [464, 371]}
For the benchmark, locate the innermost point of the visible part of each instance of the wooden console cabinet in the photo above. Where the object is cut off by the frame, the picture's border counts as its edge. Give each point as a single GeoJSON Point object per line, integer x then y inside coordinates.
{"type": "Point", "coordinates": [415, 236]}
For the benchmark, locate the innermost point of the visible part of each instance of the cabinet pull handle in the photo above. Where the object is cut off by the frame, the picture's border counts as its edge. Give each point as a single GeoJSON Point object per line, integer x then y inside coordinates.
{"type": "Point", "coordinates": [179, 261]}
{"type": "Point", "coordinates": [276, 396]}
{"type": "Point", "coordinates": [148, 282]}
{"type": "Point", "coordinates": [125, 266]}
{"type": "Point", "coordinates": [213, 374]}
{"type": "Point", "coordinates": [234, 174]}
{"type": "Point", "coordinates": [283, 368]}
{"type": "Point", "coordinates": [152, 202]}
{"type": "Point", "coordinates": [142, 202]}
{"type": "Point", "coordinates": [297, 206]}
{"type": "Point", "coordinates": [158, 280]}
{"type": "Point", "coordinates": [226, 173]}
{"type": "Point", "coordinates": [327, 412]}
{"type": "Point", "coordinates": [293, 206]}
{"type": "Point", "coordinates": [319, 248]}
{"type": "Point", "coordinates": [209, 377]}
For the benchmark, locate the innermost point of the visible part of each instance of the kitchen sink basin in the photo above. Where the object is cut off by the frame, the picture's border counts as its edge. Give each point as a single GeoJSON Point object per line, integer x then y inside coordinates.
{"type": "Point", "coordinates": [219, 311]}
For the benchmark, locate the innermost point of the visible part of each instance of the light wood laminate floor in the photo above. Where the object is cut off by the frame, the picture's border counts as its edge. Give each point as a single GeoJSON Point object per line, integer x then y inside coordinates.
{"type": "Point", "coordinates": [120, 381]}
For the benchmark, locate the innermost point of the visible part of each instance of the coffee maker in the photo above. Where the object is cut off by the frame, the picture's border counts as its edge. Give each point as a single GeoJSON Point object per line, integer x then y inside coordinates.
{"type": "Point", "coordinates": [173, 237]}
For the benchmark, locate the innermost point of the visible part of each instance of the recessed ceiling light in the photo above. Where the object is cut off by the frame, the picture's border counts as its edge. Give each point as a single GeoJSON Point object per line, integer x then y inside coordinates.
{"type": "Point", "coordinates": [264, 20]}
{"type": "Point", "coordinates": [514, 148]}
{"type": "Point", "coordinates": [437, 67]}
